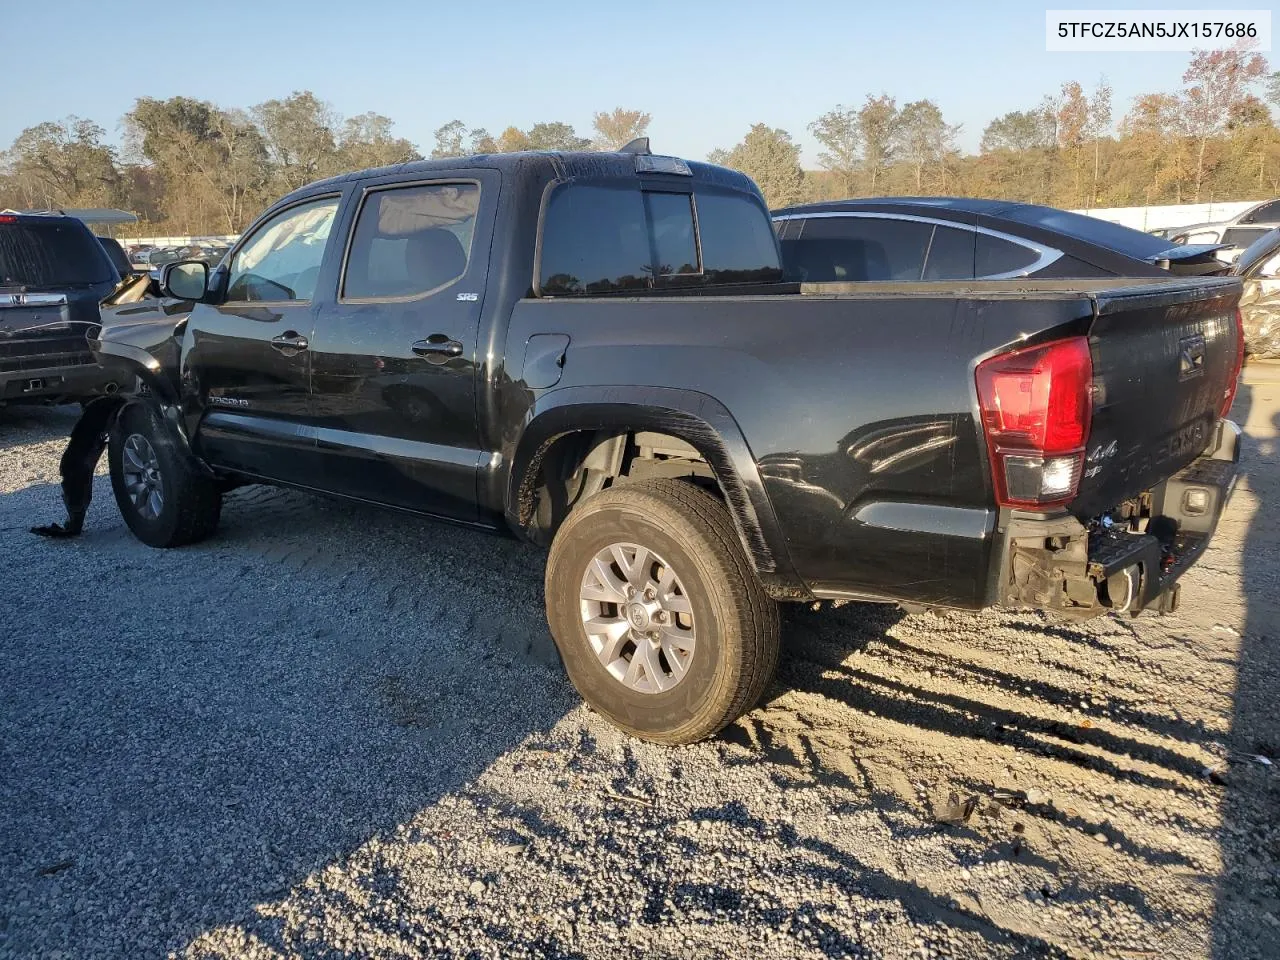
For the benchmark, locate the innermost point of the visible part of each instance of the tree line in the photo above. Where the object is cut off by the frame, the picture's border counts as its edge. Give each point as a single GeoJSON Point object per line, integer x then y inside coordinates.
{"type": "Point", "coordinates": [189, 166]}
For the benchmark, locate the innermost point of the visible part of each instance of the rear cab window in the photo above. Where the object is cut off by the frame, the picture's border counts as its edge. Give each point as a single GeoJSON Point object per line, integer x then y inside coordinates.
{"type": "Point", "coordinates": [620, 236]}
{"type": "Point", "coordinates": [52, 252]}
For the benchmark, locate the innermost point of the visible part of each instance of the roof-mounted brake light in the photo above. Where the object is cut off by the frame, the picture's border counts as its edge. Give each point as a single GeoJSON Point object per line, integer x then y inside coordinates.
{"type": "Point", "coordinates": [647, 163]}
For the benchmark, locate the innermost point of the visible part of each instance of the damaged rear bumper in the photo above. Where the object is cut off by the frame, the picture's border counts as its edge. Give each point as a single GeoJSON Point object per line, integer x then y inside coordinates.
{"type": "Point", "coordinates": [1062, 566]}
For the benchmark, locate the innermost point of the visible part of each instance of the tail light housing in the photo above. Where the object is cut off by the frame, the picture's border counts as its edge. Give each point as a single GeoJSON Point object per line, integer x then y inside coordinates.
{"type": "Point", "coordinates": [1036, 406]}
{"type": "Point", "coordinates": [1229, 395]}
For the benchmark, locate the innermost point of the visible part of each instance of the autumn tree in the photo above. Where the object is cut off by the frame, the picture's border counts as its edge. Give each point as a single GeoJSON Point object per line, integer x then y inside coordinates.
{"type": "Point", "coordinates": [769, 157]}
{"type": "Point", "coordinates": [1152, 146]}
{"type": "Point", "coordinates": [619, 127]}
{"type": "Point", "coordinates": [1217, 82]}
{"type": "Point", "coordinates": [1096, 128]}
{"type": "Point", "coordinates": [513, 140]}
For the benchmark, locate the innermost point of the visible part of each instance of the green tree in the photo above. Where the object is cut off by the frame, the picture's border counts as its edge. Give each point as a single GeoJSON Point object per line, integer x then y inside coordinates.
{"type": "Point", "coordinates": [923, 139]}
{"type": "Point", "coordinates": [769, 157]}
{"type": "Point", "coordinates": [877, 129]}
{"type": "Point", "coordinates": [482, 142]}
{"type": "Point", "coordinates": [838, 132]}
{"type": "Point", "coordinates": [63, 164]}
{"type": "Point", "coordinates": [556, 136]}
{"type": "Point", "coordinates": [449, 140]}
{"type": "Point", "coordinates": [300, 135]}
{"type": "Point", "coordinates": [213, 162]}
{"type": "Point", "coordinates": [367, 141]}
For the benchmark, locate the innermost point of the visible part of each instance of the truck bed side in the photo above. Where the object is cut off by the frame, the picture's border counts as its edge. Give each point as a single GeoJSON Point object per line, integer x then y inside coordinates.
{"type": "Point", "coordinates": [859, 406]}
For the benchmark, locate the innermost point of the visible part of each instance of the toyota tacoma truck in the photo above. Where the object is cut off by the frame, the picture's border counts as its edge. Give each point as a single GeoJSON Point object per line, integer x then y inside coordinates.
{"type": "Point", "coordinates": [596, 352]}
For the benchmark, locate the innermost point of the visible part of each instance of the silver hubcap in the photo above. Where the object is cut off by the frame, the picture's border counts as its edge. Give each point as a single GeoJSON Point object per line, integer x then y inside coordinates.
{"type": "Point", "coordinates": [142, 476]}
{"type": "Point", "coordinates": [638, 617]}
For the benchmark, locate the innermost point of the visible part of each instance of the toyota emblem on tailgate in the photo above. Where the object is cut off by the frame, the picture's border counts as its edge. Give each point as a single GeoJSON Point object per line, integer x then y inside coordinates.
{"type": "Point", "coordinates": [1191, 357]}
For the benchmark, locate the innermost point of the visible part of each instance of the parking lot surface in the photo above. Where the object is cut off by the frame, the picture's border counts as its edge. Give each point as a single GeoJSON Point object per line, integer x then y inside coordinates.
{"type": "Point", "coordinates": [331, 731]}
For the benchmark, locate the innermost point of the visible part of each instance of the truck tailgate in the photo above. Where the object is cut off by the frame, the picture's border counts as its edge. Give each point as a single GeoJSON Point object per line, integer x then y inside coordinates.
{"type": "Point", "coordinates": [1164, 359]}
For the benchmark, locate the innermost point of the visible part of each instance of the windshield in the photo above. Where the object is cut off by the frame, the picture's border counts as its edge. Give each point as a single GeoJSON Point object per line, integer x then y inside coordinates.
{"type": "Point", "coordinates": [50, 255]}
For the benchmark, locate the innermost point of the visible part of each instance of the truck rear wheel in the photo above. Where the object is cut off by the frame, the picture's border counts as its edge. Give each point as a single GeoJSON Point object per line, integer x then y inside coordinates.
{"type": "Point", "coordinates": [163, 499]}
{"type": "Point", "coordinates": [661, 622]}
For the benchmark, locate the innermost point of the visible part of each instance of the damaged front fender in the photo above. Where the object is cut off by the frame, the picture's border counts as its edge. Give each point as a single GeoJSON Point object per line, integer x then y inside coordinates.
{"type": "Point", "coordinates": [144, 347]}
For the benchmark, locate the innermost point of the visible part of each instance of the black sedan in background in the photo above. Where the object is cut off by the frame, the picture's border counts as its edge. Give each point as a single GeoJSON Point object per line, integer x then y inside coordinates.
{"type": "Point", "coordinates": [906, 239]}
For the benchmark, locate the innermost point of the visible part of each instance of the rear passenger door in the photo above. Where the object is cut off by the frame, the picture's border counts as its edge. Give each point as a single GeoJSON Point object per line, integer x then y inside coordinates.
{"type": "Point", "coordinates": [395, 356]}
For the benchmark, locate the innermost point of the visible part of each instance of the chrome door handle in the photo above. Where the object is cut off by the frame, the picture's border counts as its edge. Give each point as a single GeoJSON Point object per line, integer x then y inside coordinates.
{"type": "Point", "coordinates": [437, 348]}
{"type": "Point", "coordinates": [290, 343]}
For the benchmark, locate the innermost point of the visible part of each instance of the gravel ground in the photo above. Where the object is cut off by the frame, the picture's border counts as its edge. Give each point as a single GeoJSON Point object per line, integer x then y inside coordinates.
{"type": "Point", "coordinates": [332, 731]}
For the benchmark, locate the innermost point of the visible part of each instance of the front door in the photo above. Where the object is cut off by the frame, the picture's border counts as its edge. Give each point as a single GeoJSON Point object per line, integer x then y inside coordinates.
{"type": "Point", "coordinates": [247, 357]}
{"type": "Point", "coordinates": [394, 356]}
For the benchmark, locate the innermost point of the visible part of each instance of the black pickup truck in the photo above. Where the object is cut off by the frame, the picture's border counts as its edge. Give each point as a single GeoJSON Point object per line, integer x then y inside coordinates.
{"type": "Point", "coordinates": [596, 352]}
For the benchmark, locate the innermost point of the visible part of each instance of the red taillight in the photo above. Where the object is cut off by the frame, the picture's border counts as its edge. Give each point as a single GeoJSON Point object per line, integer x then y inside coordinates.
{"type": "Point", "coordinates": [8, 218]}
{"type": "Point", "coordinates": [1229, 396]}
{"type": "Point", "coordinates": [1036, 408]}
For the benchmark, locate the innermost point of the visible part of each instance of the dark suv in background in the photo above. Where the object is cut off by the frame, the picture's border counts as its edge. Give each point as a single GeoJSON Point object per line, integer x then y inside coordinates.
{"type": "Point", "coordinates": [53, 276]}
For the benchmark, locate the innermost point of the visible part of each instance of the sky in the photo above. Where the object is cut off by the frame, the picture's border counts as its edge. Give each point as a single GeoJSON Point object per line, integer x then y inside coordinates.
{"type": "Point", "coordinates": [706, 70]}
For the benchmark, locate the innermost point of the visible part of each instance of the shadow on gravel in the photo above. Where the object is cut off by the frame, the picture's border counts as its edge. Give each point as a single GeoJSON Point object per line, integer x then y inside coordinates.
{"type": "Point", "coordinates": [18, 422]}
{"type": "Point", "coordinates": [1247, 913]}
{"type": "Point", "coordinates": [185, 734]}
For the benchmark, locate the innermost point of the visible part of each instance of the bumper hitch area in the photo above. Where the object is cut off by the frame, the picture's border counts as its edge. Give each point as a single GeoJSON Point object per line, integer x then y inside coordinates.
{"type": "Point", "coordinates": [1130, 559]}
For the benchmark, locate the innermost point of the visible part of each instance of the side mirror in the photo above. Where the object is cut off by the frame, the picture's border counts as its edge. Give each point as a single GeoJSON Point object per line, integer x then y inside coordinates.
{"type": "Point", "coordinates": [185, 280]}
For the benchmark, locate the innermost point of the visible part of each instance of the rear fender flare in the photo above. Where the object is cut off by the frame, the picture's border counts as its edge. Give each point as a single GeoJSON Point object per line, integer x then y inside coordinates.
{"type": "Point", "coordinates": [699, 420]}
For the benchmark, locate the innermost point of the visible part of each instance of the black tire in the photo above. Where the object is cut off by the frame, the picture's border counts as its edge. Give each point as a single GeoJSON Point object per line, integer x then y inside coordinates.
{"type": "Point", "coordinates": [736, 651]}
{"type": "Point", "coordinates": [192, 502]}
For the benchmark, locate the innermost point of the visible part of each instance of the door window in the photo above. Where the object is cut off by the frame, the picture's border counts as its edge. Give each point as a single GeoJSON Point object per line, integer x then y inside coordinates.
{"type": "Point", "coordinates": [858, 248]}
{"type": "Point", "coordinates": [951, 254]}
{"type": "Point", "coordinates": [409, 241]}
{"type": "Point", "coordinates": [997, 257]}
{"type": "Point", "coordinates": [281, 261]}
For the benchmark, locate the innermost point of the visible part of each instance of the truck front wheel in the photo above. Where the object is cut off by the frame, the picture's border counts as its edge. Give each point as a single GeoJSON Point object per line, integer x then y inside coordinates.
{"type": "Point", "coordinates": [164, 500]}
{"type": "Point", "coordinates": [662, 624]}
